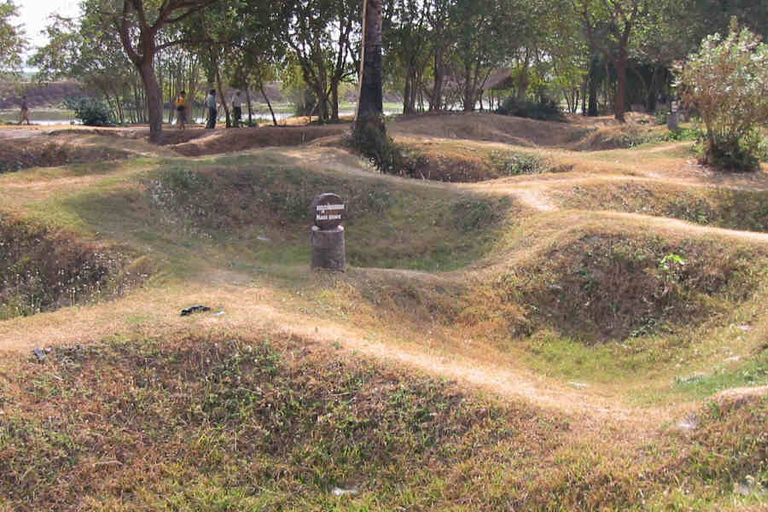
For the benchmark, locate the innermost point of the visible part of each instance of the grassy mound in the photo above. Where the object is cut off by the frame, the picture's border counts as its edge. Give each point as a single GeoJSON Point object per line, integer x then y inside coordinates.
{"type": "Point", "coordinates": [602, 286]}
{"type": "Point", "coordinates": [265, 207]}
{"type": "Point", "coordinates": [242, 424]}
{"type": "Point", "coordinates": [200, 142]}
{"type": "Point", "coordinates": [462, 162]}
{"type": "Point", "coordinates": [620, 136]}
{"type": "Point", "coordinates": [278, 422]}
{"type": "Point", "coordinates": [42, 270]}
{"type": "Point", "coordinates": [488, 127]}
{"type": "Point", "coordinates": [722, 207]}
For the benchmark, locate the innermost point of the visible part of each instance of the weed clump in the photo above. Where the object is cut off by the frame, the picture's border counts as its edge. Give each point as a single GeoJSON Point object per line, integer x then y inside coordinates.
{"type": "Point", "coordinates": [726, 81]}
{"type": "Point", "coordinates": [90, 111]}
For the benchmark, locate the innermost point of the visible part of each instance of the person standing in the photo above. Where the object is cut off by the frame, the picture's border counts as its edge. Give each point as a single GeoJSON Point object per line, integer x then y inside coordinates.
{"type": "Point", "coordinates": [24, 111]}
{"type": "Point", "coordinates": [210, 103]}
{"type": "Point", "coordinates": [181, 110]}
{"type": "Point", "coordinates": [237, 108]}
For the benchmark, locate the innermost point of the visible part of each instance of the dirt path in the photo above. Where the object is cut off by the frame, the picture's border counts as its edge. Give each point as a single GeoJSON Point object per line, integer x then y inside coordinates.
{"type": "Point", "coordinates": [250, 308]}
{"type": "Point", "coordinates": [17, 133]}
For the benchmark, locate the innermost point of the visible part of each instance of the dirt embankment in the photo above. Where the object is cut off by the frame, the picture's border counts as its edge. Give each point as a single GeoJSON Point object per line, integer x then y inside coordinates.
{"type": "Point", "coordinates": [194, 143]}
{"type": "Point", "coordinates": [43, 270]}
{"type": "Point", "coordinates": [489, 127]}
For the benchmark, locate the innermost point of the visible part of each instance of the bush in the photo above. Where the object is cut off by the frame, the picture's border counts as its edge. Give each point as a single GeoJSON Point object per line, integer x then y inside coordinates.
{"type": "Point", "coordinates": [90, 111]}
{"type": "Point", "coordinates": [727, 82]}
{"type": "Point", "coordinates": [542, 110]}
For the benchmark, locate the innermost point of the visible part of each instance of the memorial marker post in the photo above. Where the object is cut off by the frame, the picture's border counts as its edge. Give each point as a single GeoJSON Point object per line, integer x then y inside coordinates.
{"type": "Point", "coordinates": [327, 235]}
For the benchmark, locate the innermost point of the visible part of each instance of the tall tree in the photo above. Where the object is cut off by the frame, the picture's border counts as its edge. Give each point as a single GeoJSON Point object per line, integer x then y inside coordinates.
{"type": "Point", "coordinates": [86, 50]}
{"type": "Point", "coordinates": [138, 24]}
{"type": "Point", "coordinates": [12, 40]}
{"type": "Point", "coordinates": [609, 24]}
{"type": "Point", "coordinates": [404, 30]}
{"type": "Point", "coordinates": [442, 38]}
{"type": "Point", "coordinates": [246, 41]}
{"type": "Point", "coordinates": [323, 40]}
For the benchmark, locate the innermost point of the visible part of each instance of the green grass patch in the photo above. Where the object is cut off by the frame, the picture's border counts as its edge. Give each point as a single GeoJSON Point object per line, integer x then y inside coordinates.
{"type": "Point", "coordinates": [266, 208]}
{"type": "Point", "coordinates": [750, 373]}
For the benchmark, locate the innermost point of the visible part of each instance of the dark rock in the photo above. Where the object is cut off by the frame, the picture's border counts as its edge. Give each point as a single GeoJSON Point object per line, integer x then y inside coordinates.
{"type": "Point", "coordinates": [194, 309]}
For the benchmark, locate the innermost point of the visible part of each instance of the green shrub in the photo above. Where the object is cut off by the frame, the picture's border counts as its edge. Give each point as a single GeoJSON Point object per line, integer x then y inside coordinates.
{"type": "Point", "coordinates": [727, 82]}
{"type": "Point", "coordinates": [90, 111]}
{"type": "Point", "coordinates": [542, 110]}
{"type": "Point", "coordinates": [515, 164]}
{"type": "Point", "coordinates": [684, 134]}
{"type": "Point", "coordinates": [733, 154]}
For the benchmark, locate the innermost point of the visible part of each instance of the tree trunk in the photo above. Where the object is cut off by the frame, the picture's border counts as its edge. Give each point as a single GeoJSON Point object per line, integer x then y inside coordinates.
{"type": "Point", "coordinates": [621, 90]}
{"type": "Point", "coordinates": [248, 99]}
{"type": "Point", "coordinates": [407, 93]}
{"type": "Point", "coordinates": [436, 98]}
{"type": "Point", "coordinates": [592, 110]}
{"type": "Point", "coordinates": [154, 102]}
{"type": "Point", "coordinates": [264, 93]}
{"type": "Point", "coordinates": [370, 101]}
{"type": "Point", "coordinates": [469, 92]}
{"type": "Point", "coordinates": [650, 101]}
{"type": "Point", "coordinates": [222, 99]}
{"type": "Point", "coordinates": [334, 100]}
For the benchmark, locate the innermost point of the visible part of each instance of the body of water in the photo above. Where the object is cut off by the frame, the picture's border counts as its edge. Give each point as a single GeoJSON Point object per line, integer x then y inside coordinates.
{"type": "Point", "coordinates": [264, 117]}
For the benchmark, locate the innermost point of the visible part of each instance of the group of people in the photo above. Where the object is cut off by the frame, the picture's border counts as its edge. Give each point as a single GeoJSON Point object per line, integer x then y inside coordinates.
{"type": "Point", "coordinates": [181, 110]}
{"type": "Point", "coordinates": [211, 108]}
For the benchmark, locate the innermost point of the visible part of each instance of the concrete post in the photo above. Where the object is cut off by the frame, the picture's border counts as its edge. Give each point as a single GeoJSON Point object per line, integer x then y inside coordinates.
{"type": "Point", "coordinates": [328, 248]}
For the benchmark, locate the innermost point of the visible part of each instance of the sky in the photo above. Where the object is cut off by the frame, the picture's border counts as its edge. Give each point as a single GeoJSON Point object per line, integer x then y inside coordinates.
{"type": "Point", "coordinates": [33, 16]}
